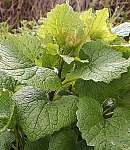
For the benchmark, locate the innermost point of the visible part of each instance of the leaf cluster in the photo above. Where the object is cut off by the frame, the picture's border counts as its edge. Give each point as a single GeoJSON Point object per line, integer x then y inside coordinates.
{"type": "Point", "coordinates": [65, 84]}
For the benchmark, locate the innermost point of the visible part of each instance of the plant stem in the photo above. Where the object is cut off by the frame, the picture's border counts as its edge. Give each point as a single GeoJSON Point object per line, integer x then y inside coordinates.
{"type": "Point", "coordinates": [17, 139]}
{"type": "Point", "coordinates": [60, 67]}
{"type": "Point", "coordinates": [14, 147]}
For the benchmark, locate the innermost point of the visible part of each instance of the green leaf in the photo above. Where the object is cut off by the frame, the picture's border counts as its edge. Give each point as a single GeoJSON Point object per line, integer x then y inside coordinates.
{"type": "Point", "coordinates": [6, 139]}
{"type": "Point", "coordinates": [97, 25]}
{"type": "Point", "coordinates": [62, 140]}
{"type": "Point", "coordinates": [39, 52]}
{"type": "Point", "coordinates": [7, 82]}
{"type": "Point", "coordinates": [16, 65]}
{"type": "Point", "coordinates": [105, 64]}
{"type": "Point", "coordinates": [45, 79]}
{"type": "Point", "coordinates": [111, 133]}
{"type": "Point", "coordinates": [25, 43]}
{"type": "Point", "coordinates": [122, 29]}
{"type": "Point", "coordinates": [65, 27]}
{"type": "Point", "coordinates": [48, 60]}
{"type": "Point", "coordinates": [6, 110]}
{"type": "Point", "coordinates": [41, 144]}
{"type": "Point", "coordinates": [66, 69]}
{"type": "Point", "coordinates": [39, 116]}
{"type": "Point", "coordinates": [100, 90]}
{"type": "Point", "coordinates": [67, 139]}
{"type": "Point", "coordinates": [6, 115]}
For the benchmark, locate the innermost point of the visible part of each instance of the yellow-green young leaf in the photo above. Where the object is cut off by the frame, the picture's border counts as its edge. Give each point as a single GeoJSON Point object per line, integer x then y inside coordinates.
{"type": "Point", "coordinates": [88, 18]}
{"type": "Point", "coordinates": [98, 25]}
{"type": "Point", "coordinates": [65, 27]}
{"type": "Point", "coordinates": [52, 49]}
